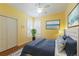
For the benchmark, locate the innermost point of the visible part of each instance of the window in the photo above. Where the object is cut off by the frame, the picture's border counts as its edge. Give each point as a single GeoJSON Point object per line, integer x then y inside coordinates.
{"type": "Point", "coordinates": [36, 25]}
{"type": "Point", "coordinates": [29, 26]}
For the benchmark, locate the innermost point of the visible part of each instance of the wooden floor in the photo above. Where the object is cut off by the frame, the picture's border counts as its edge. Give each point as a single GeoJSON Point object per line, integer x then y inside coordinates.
{"type": "Point", "coordinates": [9, 51]}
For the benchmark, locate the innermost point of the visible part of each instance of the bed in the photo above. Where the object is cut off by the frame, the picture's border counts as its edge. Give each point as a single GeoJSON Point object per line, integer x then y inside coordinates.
{"type": "Point", "coordinates": [70, 43]}
{"type": "Point", "coordinates": [46, 47]}
{"type": "Point", "coordinates": [39, 47]}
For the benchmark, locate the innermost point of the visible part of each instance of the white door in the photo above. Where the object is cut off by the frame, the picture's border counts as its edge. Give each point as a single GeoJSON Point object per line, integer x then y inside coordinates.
{"type": "Point", "coordinates": [3, 34]}
{"type": "Point", "coordinates": [8, 33]}
{"type": "Point", "coordinates": [0, 34]}
{"type": "Point", "coordinates": [12, 32]}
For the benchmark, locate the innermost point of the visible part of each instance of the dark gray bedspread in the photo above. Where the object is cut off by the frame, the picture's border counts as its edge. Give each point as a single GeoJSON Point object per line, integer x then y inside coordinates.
{"type": "Point", "coordinates": [40, 47]}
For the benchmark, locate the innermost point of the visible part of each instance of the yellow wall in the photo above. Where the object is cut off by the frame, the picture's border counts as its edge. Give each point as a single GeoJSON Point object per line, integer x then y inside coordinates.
{"type": "Point", "coordinates": [7, 10]}
{"type": "Point", "coordinates": [52, 34]}
{"type": "Point", "coordinates": [70, 7]}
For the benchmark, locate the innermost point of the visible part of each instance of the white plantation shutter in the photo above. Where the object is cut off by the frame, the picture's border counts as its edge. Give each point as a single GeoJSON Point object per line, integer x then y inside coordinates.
{"type": "Point", "coordinates": [29, 27]}
{"type": "Point", "coordinates": [37, 26]}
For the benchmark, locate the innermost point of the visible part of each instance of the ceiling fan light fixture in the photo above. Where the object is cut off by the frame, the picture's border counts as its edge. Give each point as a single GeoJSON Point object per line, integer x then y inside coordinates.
{"type": "Point", "coordinates": [39, 10]}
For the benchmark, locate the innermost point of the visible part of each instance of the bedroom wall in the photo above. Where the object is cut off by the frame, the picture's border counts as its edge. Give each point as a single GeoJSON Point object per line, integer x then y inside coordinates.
{"type": "Point", "coordinates": [7, 10]}
{"type": "Point", "coordinates": [53, 34]}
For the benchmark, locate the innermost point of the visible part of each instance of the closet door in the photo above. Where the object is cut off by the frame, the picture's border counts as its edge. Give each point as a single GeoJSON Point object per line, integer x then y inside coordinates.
{"type": "Point", "coordinates": [3, 33]}
{"type": "Point", "coordinates": [0, 34]}
{"type": "Point", "coordinates": [8, 33]}
{"type": "Point", "coordinates": [12, 32]}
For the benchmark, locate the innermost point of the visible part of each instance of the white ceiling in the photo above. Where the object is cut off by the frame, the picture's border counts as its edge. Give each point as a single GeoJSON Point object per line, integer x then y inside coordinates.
{"type": "Point", "coordinates": [48, 8]}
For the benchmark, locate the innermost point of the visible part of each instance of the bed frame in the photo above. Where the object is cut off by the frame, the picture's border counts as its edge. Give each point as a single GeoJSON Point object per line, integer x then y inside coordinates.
{"type": "Point", "coordinates": [73, 32]}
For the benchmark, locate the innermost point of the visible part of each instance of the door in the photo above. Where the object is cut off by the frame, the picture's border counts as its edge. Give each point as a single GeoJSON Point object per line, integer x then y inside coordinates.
{"type": "Point", "coordinates": [8, 33]}
{"type": "Point", "coordinates": [12, 32]}
{"type": "Point", "coordinates": [3, 34]}
{"type": "Point", "coordinates": [0, 34]}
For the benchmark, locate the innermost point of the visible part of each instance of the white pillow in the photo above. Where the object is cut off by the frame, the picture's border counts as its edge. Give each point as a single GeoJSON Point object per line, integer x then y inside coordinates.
{"type": "Point", "coordinates": [60, 44]}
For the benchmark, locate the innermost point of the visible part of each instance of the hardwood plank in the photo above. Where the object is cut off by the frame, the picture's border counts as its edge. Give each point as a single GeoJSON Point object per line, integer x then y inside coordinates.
{"type": "Point", "coordinates": [11, 50]}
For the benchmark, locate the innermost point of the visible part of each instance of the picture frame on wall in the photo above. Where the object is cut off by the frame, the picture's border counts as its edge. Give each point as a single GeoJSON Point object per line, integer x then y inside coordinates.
{"type": "Point", "coordinates": [53, 24]}
{"type": "Point", "coordinates": [73, 17]}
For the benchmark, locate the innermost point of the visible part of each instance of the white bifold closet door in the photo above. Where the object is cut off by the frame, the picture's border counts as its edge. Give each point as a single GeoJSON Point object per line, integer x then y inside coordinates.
{"type": "Point", "coordinates": [3, 34]}
{"type": "Point", "coordinates": [1, 47]}
{"type": "Point", "coordinates": [8, 33]}
{"type": "Point", "coordinates": [12, 32]}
